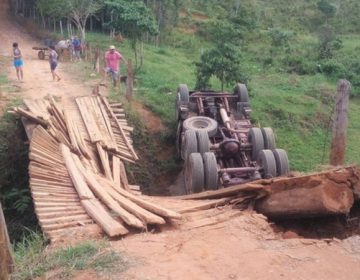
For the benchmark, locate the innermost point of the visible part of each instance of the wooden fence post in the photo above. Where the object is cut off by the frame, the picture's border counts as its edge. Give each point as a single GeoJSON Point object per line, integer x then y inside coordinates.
{"type": "Point", "coordinates": [338, 144]}
{"type": "Point", "coordinates": [97, 60]}
{"type": "Point", "coordinates": [6, 260]}
{"type": "Point", "coordinates": [129, 80]}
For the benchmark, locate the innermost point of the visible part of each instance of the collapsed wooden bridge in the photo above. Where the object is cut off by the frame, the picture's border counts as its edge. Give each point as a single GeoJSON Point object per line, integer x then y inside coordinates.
{"type": "Point", "coordinates": [79, 184]}
{"type": "Point", "coordinates": [77, 174]}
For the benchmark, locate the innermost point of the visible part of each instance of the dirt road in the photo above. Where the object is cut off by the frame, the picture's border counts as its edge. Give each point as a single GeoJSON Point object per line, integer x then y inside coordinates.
{"type": "Point", "coordinates": [37, 77]}
{"type": "Point", "coordinates": [244, 247]}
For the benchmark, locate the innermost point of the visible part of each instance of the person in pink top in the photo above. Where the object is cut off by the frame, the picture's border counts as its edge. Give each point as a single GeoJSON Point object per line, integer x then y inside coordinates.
{"type": "Point", "coordinates": [112, 62]}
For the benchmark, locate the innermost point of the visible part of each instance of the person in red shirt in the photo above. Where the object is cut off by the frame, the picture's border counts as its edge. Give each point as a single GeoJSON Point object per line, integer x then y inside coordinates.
{"type": "Point", "coordinates": [112, 62]}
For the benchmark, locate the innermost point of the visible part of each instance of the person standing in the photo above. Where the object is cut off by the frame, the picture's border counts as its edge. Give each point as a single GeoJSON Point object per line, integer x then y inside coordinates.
{"type": "Point", "coordinates": [18, 61]}
{"type": "Point", "coordinates": [112, 62]}
{"type": "Point", "coordinates": [76, 44]}
{"type": "Point", "coordinates": [53, 61]}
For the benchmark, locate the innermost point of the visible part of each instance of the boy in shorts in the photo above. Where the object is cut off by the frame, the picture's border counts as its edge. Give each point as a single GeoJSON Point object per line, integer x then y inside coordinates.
{"type": "Point", "coordinates": [18, 61]}
{"type": "Point", "coordinates": [53, 61]}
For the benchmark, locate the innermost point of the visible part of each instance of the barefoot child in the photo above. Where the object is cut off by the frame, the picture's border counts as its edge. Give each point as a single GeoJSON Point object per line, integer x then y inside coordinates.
{"type": "Point", "coordinates": [18, 61]}
{"type": "Point", "coordinates": [53, 60]}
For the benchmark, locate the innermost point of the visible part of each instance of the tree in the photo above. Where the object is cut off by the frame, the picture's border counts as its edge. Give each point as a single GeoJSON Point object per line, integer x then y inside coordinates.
{"type": "Point", "coordinates": [78, 11]}
{"type": "Point", "coordinates": [53, 9]}
{"type": "Point", "coordinates": [326, 8]}
{"type": "Point", "coordinates": [81, 10]}
{"type": "Point", "coordinates": [133, 19]}
{"type": "Point", "coordinates": [223, 60]}
{"type": "Point", "coordinates": [329, 42]}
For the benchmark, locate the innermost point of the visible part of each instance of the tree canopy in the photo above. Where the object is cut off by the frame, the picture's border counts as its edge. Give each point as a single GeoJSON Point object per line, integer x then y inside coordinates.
{"type": "Point", "coordinates": [133, 19]}
{"type": "Point", "coordinates": [77, 10]}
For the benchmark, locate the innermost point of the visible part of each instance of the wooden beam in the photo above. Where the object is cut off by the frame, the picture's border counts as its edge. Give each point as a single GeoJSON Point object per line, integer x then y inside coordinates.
{"type": "Point", "coordinates": [338, 144]}
{"type": "Point", "coordinates": [6, 259]}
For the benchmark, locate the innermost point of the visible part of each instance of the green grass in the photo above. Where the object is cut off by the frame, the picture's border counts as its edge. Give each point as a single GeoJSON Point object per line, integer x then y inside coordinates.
{"type": "Point", "coordinates": [297, 107]}
{"type": "Point", "coordinates": [33, 259]}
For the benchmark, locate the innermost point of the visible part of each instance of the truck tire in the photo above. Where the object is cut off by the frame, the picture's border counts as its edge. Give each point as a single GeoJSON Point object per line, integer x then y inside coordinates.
{"type": "Point", "coordinates": [269, 138]}
{"type": "Point", "coordinates": [282, 161]}
{"type": "Point", "coordinates": [189, 144]}
{"type": "Point", "coordinates": [194, 173]}
{"type": "Point", "coordinates": [178, 140]}
{"type": "Point", "coordinates": [266, 160]}
{"type": "Point", "coordinates": [183, 92]}
{"type": "Point", "coordinates": [242, 92]}
{"type": "Point", "coordinates": [256, 139]}
{"type": "Point", "coordinates": [201, 123]}
{"type": "Point", "coordinates": [211, 177]}
{"type": "Point", "coordinates": [203, 141]}
{"type": "Point", "coordinates": [177, 107]}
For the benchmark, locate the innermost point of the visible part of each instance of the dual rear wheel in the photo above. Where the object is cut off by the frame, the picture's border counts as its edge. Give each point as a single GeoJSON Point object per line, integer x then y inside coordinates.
{"type": "Point", "coordinates": [260, 139]}
{"type": "Point", "coordinates": [201, 172]}
{"type": "Point", "coordinates": [273, 163]}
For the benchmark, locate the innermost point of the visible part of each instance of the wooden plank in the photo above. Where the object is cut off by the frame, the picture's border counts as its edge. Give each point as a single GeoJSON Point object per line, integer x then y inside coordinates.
{"type": "Point", "coordinates": [59, 209]}
{"type": "Point", "coordinates": [52, 183]}
{"type": "Point", "coordinates": [206, 205]}
{"type": "Point", "coordinates": [88, 120]}
{"type": "Point", "coordinates": [60, 214]}
{"type": "Point", "coordinates": [31, 116]}
{"type": "Point", "coordinates": [50, 194]}
{"type": "Point", "coordinates": [116, 171]}
{"type": "Point", "coordinates": [116, 104]}
{"type": "Point", "coordinates": [64, 219]}
{"type": "Point", "coordinates": [138, 211]}
{"type": "Point", "coordinates": [229, 191]}
{"type": "Point", "coordinates": [71, 132]}
{"type": "Point", "coordinates": [131, 149]}
{"type": "Point", "coordinates": [152, 207]}
{"type": "Point", "coordinates": [107, 199]}
{"type": "Point", "coordinates": [104, 161]}
{"type": "Point", "coordinates": [123, 177]}
{"type": "Point", "coordinates": [96, 211]}
{"type": "Point", "coordinates": [92, 206]}
{"type": "Point", "coordinates": [65, 225]}
{"type": "Point", "coordinates": [79, 183]}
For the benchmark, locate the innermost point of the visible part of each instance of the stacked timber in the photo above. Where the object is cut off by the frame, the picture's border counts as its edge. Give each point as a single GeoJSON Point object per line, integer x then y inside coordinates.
{"type": "Point", "coordinates": [77, 173]}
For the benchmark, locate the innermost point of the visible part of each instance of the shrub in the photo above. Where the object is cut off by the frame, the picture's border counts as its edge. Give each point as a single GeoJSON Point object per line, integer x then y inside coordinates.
{"type": "Point", "coordinates": [333, 69]}
{"type": "Point", "coordinates": [299, 65]}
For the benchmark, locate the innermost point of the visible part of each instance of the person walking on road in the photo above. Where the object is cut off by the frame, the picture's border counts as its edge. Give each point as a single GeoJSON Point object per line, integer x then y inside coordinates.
{"type": "Point", "coordinates": [112, 62]}
{"type": "Point", "coordinates": [53, 60]}
{"type": "Point", "coordinates": [18, 61]}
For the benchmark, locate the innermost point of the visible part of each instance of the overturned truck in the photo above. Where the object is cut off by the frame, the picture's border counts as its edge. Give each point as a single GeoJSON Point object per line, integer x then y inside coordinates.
{"type": "Point", "coordinates": [219, 145]}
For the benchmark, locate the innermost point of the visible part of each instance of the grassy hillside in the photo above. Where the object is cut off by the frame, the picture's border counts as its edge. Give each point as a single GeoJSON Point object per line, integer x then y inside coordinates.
{"type": "Point", "coordinates": [298, 107]}
{"type": "Point", "coordinates": [292, 86]}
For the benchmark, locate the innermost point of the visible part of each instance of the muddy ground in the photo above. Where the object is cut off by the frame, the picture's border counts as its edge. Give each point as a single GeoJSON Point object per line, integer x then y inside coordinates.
{"type": "Point", "coordinates": [246, 246]}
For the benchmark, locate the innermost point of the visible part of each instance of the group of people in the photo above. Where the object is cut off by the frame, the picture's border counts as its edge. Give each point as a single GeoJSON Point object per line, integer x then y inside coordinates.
{"type": "Point", "coordinates": [112, 58]}
{"type": "Point", "coordinates": [19, 62]}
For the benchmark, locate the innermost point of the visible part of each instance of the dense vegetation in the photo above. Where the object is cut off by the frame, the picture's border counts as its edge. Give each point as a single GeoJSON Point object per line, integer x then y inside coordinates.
{"type": "Point", "coordinates": [289, 53]}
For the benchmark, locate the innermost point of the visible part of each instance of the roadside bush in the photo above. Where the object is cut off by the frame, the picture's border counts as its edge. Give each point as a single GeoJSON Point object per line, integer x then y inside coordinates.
{"type": "Point", "coordinates": [333, 68]}
{"type": "Point", "coordinates": [280, 38]}
{"type": "Point", "coordinates": [346, 68]}
{"type": "Point", "coordinates": [329, 42]}
{"type": "Point", "coordinates": [299, 65]}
